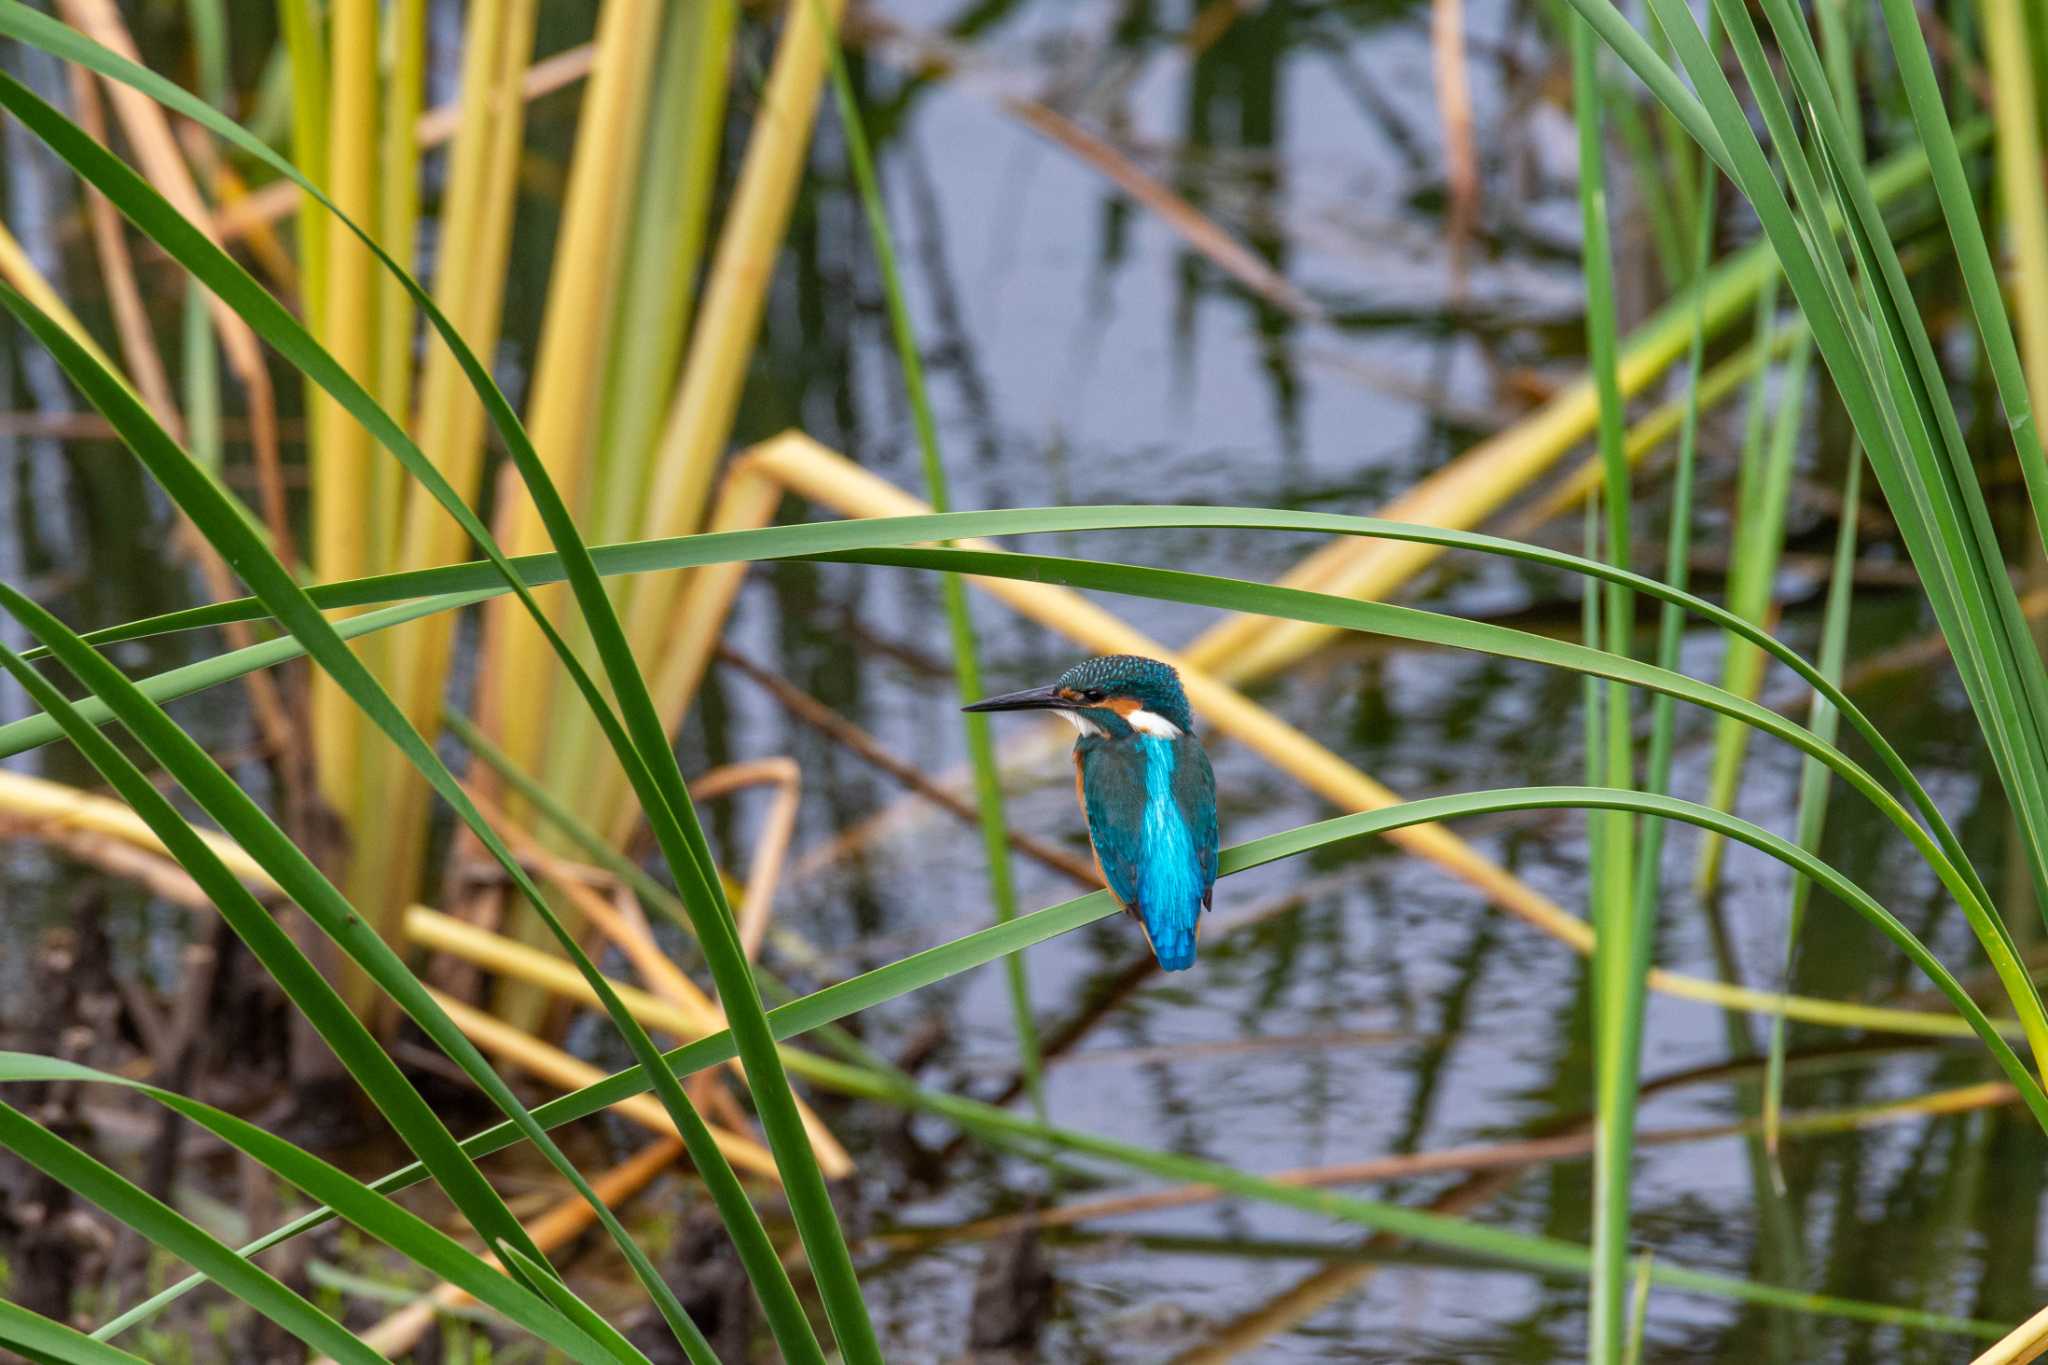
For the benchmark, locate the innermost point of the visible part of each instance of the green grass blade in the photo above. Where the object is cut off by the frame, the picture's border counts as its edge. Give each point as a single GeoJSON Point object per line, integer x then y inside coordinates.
{"type": "Point", "coordinates": [586, 1318]}
{"type": "Point", "coordinates": [974, 950]}
{"type": "Point", "coordinates": [1373, 617]}
{"type": "Point", "coordinates": [988, 787]}
{"type": "Point", "coordinates": [465, 584]}
{"type": "Point", "coordinates": [1758, 546]}
{"type": "Point", "coordinates": [1966, 232]}
{"type": "Point", "coordinates": [1621, 956]}
{"type": "Point", "coordinates": [410, 1116]}
{"type": "Point", "coordinates": [24, 1331]}
{"type": "Point", "coordinates": [1677, 560]}
{"type": "Point", "coordinates": [641, 744]}
{"type": "Point", "coordinates": [1880, 371]}
{"type": "Point", "coordinates": [1822, 719]}
{"type": "Point", "coordinates": [651, 892]}
{"type": "Point", "coordinates": [397, 1227]}
{"type": "Point", "coordinates": [164, 1226]}
{"type": "Point", "coordinates": [275, 585]}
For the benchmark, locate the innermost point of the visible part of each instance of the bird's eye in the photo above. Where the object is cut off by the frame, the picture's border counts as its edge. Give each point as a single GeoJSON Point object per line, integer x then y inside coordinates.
{"type": "Point", "coordinates": [1092, 694]}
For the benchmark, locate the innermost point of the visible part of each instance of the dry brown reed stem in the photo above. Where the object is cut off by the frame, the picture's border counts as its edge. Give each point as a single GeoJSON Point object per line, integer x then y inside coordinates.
{"type": "Point", "coordinates": [154, 873]}
{"type": "Point", "coordinates": [809, 469]}
{"type": "Point", "coordinates": [400, 1332]}
{"type": "Point", "coordinates": [823, 718]}
{"type": "Point", "coordinates": [575, 329]}
{"type": "Point", "coordinates": [280, 199]}
{"type": "Point", "coordinates": [117, 272]}
{"type": "Point", "coordinates": [558, 1068]}
{"type": "Point", "coordinates": [689, 1017]}
{"type": "Point", "coordinates": [1476, 1157]}
{"type": "Point", "coordinates": [932, 55]}
{"type": "Point", "coordinates": [771, 848]}
{"type": "Point", "coordinates": [729, 316]}
{"type": "Point", "coordinates": [1454, 107]}
{"type": "Point", "coordinates": [149, 133]}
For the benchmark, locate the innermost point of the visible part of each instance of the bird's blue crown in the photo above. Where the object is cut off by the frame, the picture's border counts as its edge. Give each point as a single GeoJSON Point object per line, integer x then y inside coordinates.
{"type": "Point", "coordinates": [1152, 684]}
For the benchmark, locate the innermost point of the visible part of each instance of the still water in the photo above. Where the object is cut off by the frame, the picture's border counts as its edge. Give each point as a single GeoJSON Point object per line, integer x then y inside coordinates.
{"type": "Point", "coordinates": [1081, 353]}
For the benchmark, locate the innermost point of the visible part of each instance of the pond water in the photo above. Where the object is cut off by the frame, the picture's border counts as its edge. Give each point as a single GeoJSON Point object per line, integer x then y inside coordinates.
{"type": "Point", "coordinates": [1081, 353]}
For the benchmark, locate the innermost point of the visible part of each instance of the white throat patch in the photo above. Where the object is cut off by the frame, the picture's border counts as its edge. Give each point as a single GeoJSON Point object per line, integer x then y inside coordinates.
{"type": "Point", "coordinates": [1152, 723]}
{"type": "Point", "coordinates": [1085, 724]}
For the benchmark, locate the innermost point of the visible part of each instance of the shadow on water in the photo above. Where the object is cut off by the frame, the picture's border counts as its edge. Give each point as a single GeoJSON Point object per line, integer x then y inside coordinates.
{"type": "Point", "coordinates": [1080, 352]}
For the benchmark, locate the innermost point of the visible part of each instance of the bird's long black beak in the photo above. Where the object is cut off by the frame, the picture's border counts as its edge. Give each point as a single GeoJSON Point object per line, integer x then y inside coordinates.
{"type": "Point", "coordinates": [1030, 699]}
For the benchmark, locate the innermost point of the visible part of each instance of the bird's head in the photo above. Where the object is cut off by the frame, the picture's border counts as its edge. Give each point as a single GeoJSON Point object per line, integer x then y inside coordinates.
{"type": "Point", "coordinates": [1115, 695]}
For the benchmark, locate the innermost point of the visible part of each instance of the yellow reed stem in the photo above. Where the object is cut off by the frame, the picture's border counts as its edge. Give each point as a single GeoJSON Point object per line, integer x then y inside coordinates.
{"type": "Point", "coordinates": [2009, 58]}
{"type": "Point", "coordinates": [569, 369]}
{"type": "Point", "coordinates": [729, 314]}
{"type": "Point", "coordinates": [2024, 1343]}
{"type": "Point", "coordinates": [631, 934]}
{"type": "Point", "coordinates": [39, 802]}
{"type": "Point", "coordinates": [764, 871]}
{"type": "Point", "coordinates": [342, 480]}
{"type": "Point", "coordinates": [809, 469]}
{"type": "Point", "coordinates": [558, 1068]}
{"type": "Point", "coordinates": [1656, 427]}
{"type": "Point", "coordinates": [21, 274]}
{"type": "Point", "coordinates": [398, 215]}
{"type": "Point", "coordinates": [1459, 496]}
{"type": "Point", "coordinates": [476, 238]}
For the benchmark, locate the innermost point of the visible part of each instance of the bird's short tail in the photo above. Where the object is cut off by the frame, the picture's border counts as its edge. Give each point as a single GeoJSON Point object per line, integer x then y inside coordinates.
{"type": "Point", "coordinates": [1173, 945]}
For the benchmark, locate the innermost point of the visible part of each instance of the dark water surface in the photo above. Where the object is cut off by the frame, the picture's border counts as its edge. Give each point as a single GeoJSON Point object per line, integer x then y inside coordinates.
{"type": "Point", "coordinates": [1081, 354]}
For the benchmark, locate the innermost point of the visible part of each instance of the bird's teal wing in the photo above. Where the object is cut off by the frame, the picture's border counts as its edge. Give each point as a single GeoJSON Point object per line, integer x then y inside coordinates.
{"type": "Point", "coordinates": [1111, 777]}
{"type": "Point", "coordinates": [1194, 791]}
{"type": "Point", "coordinates": [1152, 820]}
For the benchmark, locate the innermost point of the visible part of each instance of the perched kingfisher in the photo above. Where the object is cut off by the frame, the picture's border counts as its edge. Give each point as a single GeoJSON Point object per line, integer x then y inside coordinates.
{"type": "Point", "coordinates": [1145, 788]}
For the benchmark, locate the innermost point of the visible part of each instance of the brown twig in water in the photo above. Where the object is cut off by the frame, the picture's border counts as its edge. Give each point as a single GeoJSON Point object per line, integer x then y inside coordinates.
{"type": "Point", "coordinates": [117, 272]}
{"type": "Point", "coordinates": [1454, 106]}
{"type": "Point", "coordinates": [823, 718]}
{"type": "Point", "coordinates": [1569, 1145]}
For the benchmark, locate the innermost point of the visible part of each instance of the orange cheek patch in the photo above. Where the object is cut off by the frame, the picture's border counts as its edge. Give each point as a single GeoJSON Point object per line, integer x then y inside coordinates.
{"type": "Point", "coordinates": [1124, 706]}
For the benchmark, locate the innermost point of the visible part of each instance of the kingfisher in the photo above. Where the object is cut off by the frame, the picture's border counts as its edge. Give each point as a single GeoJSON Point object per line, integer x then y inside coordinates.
{"type": "Point", "coordinates": [1145, 789]}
